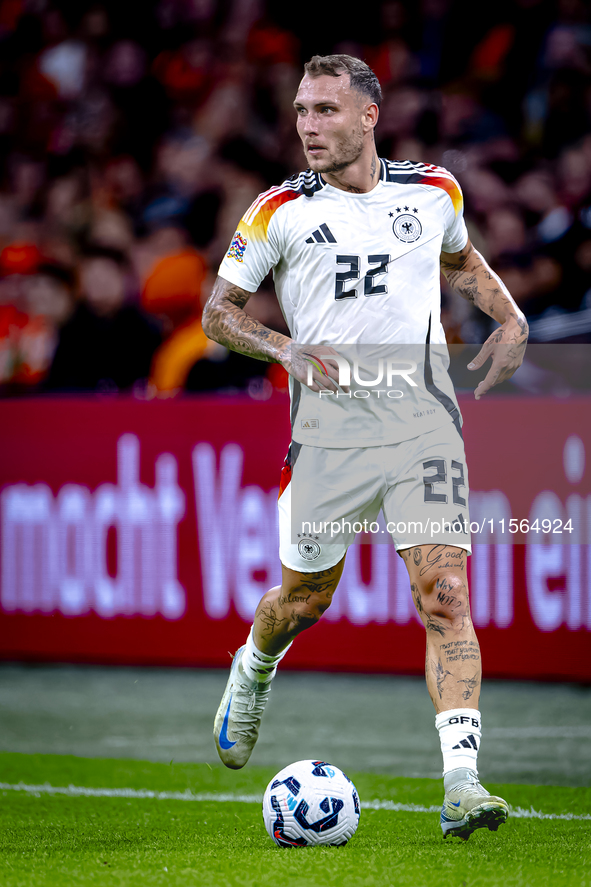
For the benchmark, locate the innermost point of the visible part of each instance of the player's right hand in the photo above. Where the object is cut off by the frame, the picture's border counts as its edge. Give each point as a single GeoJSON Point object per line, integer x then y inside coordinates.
{"type": "Point", "coordinates": [506, 346]}
{"type": "Point", "coordinates": [316, 366]}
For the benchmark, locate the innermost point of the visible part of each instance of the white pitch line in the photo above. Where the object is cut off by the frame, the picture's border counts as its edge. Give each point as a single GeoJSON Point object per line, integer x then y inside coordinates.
{"type": "Point", "coordinates": [516, 812]}
{"type": "Point", "coordinates": [81, 791]}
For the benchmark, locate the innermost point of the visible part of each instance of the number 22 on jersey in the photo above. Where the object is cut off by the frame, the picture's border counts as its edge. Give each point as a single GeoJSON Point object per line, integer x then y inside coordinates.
{"type": "Point", "coordinates": [373, 284]}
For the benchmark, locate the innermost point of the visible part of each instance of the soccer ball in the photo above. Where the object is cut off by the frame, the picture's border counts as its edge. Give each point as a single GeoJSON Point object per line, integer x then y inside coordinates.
{"type": "Point", "coordinates": [311, 802]}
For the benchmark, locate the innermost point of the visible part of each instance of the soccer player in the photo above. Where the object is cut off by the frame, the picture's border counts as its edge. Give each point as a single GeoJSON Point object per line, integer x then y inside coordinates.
{"type": "Point", "coordinates": [356, 244]}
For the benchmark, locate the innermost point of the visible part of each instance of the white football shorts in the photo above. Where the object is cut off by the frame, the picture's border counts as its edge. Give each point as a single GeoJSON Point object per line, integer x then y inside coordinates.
{"type": "Point", "coordinates": [419, 485]}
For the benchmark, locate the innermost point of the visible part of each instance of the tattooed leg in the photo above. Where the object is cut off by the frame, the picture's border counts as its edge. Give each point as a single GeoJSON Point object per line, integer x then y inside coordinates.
{"type": "Point", "coordinates": [439, 589]}
{"type": "Point", "coordinates": [288, 609]}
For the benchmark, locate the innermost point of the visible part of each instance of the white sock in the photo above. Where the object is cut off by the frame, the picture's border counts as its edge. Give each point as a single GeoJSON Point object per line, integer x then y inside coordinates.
{"type": "Point", "coordinates": [258, 666]}
{"type": "Point", "coordinates": [459, 734]}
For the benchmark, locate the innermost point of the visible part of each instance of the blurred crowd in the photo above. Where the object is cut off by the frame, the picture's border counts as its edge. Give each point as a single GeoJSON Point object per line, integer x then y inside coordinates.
{"type": "Point", "coordinates": [133, 136]}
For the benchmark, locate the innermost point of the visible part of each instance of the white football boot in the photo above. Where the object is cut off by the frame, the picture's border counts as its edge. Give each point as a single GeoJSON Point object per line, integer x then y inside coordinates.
{"type": "Point", "coordinates": [237, 722]}
{"type": "Point", "coordinates": [467, 805]}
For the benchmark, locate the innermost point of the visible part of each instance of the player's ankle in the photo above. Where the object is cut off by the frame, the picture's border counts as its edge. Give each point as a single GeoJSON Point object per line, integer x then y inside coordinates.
{"type": "Point", "coordinates": [459, 777]}
{"type": "Point", "coordinates": [259, 666]}
{"type": "Point", "coordinates": [459, 734]}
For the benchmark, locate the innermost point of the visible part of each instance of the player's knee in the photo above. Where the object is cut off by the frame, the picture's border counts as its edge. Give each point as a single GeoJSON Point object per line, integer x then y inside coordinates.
{"type": "Point", "coordinates": [445, 597]}
{"type": "Point", "coordinates": [302, 621]}
{"type": "Point", "coordinates": [304, 614]}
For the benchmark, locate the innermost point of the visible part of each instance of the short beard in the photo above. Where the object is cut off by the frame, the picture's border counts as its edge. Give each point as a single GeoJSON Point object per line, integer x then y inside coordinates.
{"type": "Point", "coordinates": [346, 153]}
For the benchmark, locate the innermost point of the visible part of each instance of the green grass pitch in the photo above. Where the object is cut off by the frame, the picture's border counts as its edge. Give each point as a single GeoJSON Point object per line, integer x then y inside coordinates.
{"type": "Point", "coordinates": [76, 839]}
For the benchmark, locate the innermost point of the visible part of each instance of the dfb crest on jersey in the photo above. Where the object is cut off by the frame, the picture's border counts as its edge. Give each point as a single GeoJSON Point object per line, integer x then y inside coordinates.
{"type": "Point", "coordinates": [407, 228]}
{"type": "Point", "coordinates": [309, 549]}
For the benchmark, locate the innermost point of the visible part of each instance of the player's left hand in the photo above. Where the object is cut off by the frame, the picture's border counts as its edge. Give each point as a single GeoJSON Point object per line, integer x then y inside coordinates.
{"type": "Point", "coordinates": [506, 346]}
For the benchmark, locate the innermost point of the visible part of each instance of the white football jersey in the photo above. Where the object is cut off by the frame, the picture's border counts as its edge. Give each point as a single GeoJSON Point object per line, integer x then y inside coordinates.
{"type": "Point", "coordinates": [361, 273]}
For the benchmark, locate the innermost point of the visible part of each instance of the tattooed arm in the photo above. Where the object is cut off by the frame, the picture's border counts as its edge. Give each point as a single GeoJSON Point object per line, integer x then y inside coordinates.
{"type": "Point", "coordinates": [469, 275]}
{"type": "Point", "coordinates": [225, 321]}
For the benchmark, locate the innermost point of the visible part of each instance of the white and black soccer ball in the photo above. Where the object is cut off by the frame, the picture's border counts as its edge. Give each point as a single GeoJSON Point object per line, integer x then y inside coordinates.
{"type": "Point", "coordinates": [311, 802]}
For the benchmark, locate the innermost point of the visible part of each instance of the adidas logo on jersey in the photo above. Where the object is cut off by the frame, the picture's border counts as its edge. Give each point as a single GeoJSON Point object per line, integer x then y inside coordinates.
{"type": "Point", "coordinates": [322, 235]}
{"type": "Point", "coordinates": [470, 742]}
